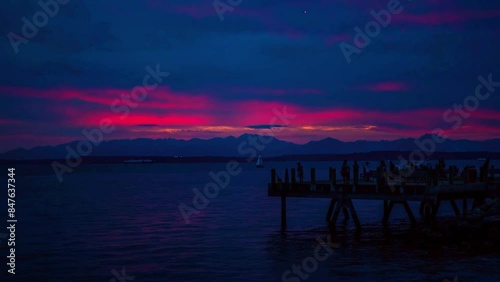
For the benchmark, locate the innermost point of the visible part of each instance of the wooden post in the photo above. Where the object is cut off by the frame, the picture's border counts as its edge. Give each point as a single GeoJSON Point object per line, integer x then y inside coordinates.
{"type": "Point", "coordinates": [464, 206]}
{"type": "Point", "coordinates": [388, 205]}
{"type": "Point", "coordinates": [283, 201]}
{"type": "Point", "coordinates": [379, 178]}
{"type": "Point", "coordinates": [283, 212]}
{"type": "Point", "coordinates": [313, 179]}
{"type": "Point", "coordinates": [450, 172]}
{"type": "Point", "coordinates": [331, 176]}
{"type": "Point", "coordinates": [273, 179]}
{"type": "Point", "coordinates": [466, 175]}
{"type": "Point", "coordinates": [355, 175]}
{"type": "Point", "coordinates": [473, 178]}
{"type": "Point", "coordinates": [334, 175]}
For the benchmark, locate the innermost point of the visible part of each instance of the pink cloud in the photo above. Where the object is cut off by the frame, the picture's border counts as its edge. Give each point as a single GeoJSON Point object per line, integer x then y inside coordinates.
{"type": "Point", "coordinates": [337, 38]}
{"type": "Point", "coordinates": [186, 115]}
{"type": "Point", "coordinates": [161, 98]}
{"type": "Point", "coordinates": [387, 86]}
{"type": "Point", "coordinates": [446, 17]}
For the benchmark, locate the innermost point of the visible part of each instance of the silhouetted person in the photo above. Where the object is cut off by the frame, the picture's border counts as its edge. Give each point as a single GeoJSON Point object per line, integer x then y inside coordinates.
{"type": "Point", "coordinates": [483, 171]}
{"type": "Point", "coordinates": [355, 170]}
{"type": "Point", "coordinates": [383, 166]}
{"type": "Point", "coordinates": [345, 171]}
{"type": "Point", "coordinates": [440, 168]}
{"type": "Point", "coordinates": [366, 171]}
{"type": "Point", "coordinates": [392, 167]}
{"type": "Point", "coordinates": [300, 172]}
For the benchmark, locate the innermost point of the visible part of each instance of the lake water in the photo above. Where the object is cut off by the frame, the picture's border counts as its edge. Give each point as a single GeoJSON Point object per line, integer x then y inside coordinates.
{"type": "Point", "coordinates": [105, 221]}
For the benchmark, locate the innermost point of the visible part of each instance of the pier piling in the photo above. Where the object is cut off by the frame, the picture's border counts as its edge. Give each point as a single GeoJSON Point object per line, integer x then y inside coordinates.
{"type": "Point", "coordinates": [313, 179]}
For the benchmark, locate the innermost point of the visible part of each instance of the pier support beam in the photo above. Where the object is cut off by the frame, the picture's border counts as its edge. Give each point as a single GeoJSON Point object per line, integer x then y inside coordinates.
{"type": "Point", "coordinates": [455, 207]}
{"type": "Point", "coordinates": [346, 213]}
{"type": "Point", "coordinates": [333, 220]}
{"type": "Point", "coordinates": [435, 208]}
{"type": "Point", "coordinates": [409, 213]}
{"type": "Point", "coordinates": [330, 210]}
{"type": "Point", "coordinates": [354, 214]}
{"type": "Point", "coordinates": [283, 213]}
{"type": "Point", "coordinates": [283, 201]}
{"type": "Point", "coordinates": [355, 176]}
{"type": "Point", "coordinates": [388, 205]}
{"type": "Point", "coordinates": [464, 206]}
{"type": "Point", "coordinates": [347, 206]}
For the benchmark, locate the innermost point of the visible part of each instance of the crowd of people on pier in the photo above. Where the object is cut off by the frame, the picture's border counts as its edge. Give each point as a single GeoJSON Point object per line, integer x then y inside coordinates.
{"type": "Point", "coordinates": [387, 169]}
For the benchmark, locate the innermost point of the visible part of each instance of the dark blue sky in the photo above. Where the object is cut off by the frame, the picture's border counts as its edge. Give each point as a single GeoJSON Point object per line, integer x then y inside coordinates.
{"type": "Point", "coordinates": [226, 76]}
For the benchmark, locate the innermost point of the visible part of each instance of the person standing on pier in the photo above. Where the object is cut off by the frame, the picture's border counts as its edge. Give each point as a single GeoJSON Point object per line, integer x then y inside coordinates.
{"type": "Point", "coordinates": [366, 171]}
{"type": "Point", "coordinates": [383, 166]}
{"type": "Point", "coordinates": [392, 167]}
{"type": "Point", "coordinates": [300, 172]}
{"type": "Point", "coordinates": [345, 171]}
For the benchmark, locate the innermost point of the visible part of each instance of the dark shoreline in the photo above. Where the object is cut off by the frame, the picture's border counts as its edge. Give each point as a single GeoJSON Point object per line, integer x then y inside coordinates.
{"type": "Point", "coordinates": [372, 156]}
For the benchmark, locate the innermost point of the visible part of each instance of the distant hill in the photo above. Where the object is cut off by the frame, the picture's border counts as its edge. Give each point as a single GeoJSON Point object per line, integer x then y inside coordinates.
{"type": "Point", "coordinates": [242, 147]}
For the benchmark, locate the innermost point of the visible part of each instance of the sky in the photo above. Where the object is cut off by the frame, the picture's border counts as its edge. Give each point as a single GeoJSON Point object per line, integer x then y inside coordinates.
{"type": "Point", "coordinates": [230, 73]}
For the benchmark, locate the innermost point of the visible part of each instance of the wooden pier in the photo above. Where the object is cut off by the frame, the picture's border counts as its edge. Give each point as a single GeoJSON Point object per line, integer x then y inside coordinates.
{"type": "Point", "coordinates": [426, 186]}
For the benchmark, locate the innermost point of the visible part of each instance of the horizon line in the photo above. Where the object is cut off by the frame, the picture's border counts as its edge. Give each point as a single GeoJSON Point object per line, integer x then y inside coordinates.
{"type": "Point", "coordinates": [246, 134]}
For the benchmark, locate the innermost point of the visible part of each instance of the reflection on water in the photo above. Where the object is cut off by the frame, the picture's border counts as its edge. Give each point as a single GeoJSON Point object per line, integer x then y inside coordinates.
{"type": "Point", "coordinates": [106, 217]}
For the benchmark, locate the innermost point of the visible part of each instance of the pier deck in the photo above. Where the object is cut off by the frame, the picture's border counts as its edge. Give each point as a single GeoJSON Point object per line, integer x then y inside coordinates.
{"type": "Point", "coordinates": [428, 189]}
